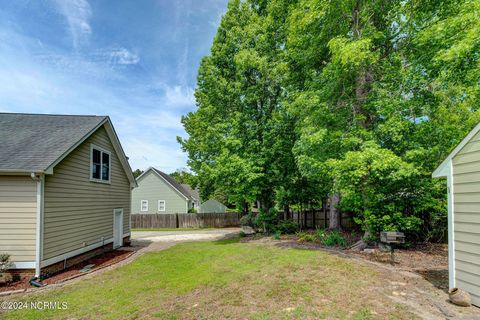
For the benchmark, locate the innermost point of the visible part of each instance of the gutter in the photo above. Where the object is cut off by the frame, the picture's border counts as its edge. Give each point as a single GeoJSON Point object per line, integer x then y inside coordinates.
{"type": "Point", "coordinates": [40, 179]}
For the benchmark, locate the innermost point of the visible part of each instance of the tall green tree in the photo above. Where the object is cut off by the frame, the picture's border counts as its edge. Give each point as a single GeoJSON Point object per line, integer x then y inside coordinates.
{"type": "Point", "coordinates": [241, 137]}
{"type": "Point", "coordinates": [353, 99]}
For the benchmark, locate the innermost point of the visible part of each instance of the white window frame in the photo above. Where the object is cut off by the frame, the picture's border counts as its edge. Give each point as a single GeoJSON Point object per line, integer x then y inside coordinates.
{"type": "Point", "coordinates": [102, 150]}
{"type": "Point", "coordinates": [141, 205]}
{"type": "Point", "coordinates": [164, 205]}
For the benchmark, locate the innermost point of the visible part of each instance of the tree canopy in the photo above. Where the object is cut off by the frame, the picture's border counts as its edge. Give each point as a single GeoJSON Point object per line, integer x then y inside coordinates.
{"type": "Point", "coordinates": [301, 99]}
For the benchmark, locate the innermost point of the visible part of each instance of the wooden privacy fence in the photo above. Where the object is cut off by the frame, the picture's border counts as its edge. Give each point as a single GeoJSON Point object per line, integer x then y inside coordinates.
{"type": "Point", "coordinates": [185, 220]}
{"type": "Point", "coordinates": [313, 219]}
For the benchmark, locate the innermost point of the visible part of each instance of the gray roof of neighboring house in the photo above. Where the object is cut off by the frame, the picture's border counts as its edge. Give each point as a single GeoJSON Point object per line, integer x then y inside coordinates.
{"type": "Point", "coordinates": [174, 183]}
{"type": "Point", "coordinates": [192, 192]}
{"type": "Point", "coordinates": [33, 142]}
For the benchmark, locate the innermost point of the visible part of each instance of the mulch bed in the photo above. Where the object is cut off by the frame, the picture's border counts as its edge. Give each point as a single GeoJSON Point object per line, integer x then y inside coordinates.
{"type": "Point", "coordinates": [101, 261]}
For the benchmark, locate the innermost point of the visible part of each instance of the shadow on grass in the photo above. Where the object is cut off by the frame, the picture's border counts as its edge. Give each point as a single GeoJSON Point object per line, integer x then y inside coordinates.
{"type": "Point", "coordinates": [227, 240]}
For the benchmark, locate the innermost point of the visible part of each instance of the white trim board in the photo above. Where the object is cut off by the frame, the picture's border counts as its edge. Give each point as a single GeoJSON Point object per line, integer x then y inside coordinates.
{"type": "Point", "coordinates": [102, 151]}
{"type": "Point", "coordinates": [442, 170]}
{"type": "Point", "coordinates": [116, 145]}
{"type": "Point", "coordinates": [74, 253]}
{"type": "Point", "coordinates": [24, 265]}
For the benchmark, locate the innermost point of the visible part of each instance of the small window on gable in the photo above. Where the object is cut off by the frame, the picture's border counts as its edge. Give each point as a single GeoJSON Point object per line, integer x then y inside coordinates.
{"type": "Point", "coordinates": [144, 205]}
{"type": "Point", "coordinates": [100, 165]}
{"type": "Point", "coordinates": [161, 205]}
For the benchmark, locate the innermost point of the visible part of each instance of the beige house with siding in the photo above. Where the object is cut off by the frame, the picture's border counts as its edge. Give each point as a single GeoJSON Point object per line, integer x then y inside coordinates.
{"type": "Point", "coordinates": [462, 170]}
{"type": "Point", "coordinates": [65, 186]}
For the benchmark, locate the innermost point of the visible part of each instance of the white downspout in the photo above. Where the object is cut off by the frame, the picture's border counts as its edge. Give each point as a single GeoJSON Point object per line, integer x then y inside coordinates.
{"type": "Point", "coordinates": [39, 222]}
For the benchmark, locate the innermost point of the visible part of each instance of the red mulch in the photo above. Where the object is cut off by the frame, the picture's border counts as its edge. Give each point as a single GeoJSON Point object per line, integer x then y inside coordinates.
{"type": "Point", "coordinates": [100, 261]}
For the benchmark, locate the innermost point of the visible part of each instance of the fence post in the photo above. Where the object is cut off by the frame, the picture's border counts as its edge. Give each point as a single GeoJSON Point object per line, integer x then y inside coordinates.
{"type": "Point", "coordinates": [176, 220]}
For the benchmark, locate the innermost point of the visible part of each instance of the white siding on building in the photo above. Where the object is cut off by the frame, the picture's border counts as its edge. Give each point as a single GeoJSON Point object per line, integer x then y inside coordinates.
{"type": "Point", "coordinates": [466, 195]}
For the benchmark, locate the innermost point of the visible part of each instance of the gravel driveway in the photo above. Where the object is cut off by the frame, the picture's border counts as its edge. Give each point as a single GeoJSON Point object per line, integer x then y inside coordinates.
{"type": "Point", "coordinates": [176, 236]}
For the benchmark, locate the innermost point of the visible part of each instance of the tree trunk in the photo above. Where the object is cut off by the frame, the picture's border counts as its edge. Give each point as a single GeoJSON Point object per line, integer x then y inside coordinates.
{"type": "Point", "coordinates": [334, 213]}
{"type": "Point", "coordinates": [324, 208]}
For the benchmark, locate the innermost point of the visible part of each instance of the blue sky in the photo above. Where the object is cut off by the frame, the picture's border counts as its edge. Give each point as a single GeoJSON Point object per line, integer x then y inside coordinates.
{"type": "Point", "coordinates": [135, 61]}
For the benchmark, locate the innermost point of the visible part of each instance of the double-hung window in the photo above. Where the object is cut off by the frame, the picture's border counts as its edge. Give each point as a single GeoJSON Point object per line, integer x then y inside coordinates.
{"type": "Point", "coordinates": [144, 205]}
{"type": "Point", "coordinates": [100, 164]}
{"type": "Point", "coordinates": [161, 205]}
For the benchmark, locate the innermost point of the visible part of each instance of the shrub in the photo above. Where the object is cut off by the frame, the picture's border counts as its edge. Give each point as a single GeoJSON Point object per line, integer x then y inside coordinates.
{"type": "Point", "coordinates": [266, 220]}
{"type": "Point", "coordinates": [306, 237]}
{"type": "Point", "coordinates": [5, 262]}
{"type": "Point", "coordinates": [287, 227]}
{"type": "Point", "coordinates": [276, 235]}
{"type": "Point", "coordinates": [334, 238]}
{"type": "Point", "coordinates": [247, 220]}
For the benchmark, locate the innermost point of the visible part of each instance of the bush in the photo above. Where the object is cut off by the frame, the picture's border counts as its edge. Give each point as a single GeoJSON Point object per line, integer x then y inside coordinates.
{"type": "Point", "coordinates": [247, 220]}
{"type": "Point", "coordinates": [5, 262]}
{"type": "Point", "coordinates": [306, 237]}
{"type": "Point", "coordinates": [334, 238]}
{"type": "Point", "coordinates": [266, 220]}
{"type": "Point", "coordinates": [287, 227]}
{"type": "Point", "coordinates": [276, 235]}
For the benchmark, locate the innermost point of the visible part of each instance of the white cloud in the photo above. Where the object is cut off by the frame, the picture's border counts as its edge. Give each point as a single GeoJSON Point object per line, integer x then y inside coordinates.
{"type": "Point", "coordinates": [122, 56]}
{"type": "Point", "coordinates": [78, 14]}
{"type": "Point", "coordinates": [178, 96]}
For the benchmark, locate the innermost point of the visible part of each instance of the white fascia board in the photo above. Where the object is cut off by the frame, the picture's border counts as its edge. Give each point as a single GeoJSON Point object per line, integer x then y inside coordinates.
{"type": "Point", "coordinates": [49, 170]}
{"type": "Point", "coordinates": [442, 169]}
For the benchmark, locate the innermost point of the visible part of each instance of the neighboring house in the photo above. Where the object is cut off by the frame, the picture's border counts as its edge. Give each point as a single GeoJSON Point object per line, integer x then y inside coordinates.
{"type": "Point", "coordinates": [462, 170]}
{"type": "Point", "coordinates": [158, 192]}
{"type": "Point", "coordinates": [211, 206]}
{"type": "Point", "coordinates": [193, 193]}
{"type": "Point", "coordinates": [65, 186]}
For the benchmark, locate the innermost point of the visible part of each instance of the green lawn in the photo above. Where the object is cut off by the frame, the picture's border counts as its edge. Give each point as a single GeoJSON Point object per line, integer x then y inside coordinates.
{"type": "Point", "coordinates": [225, 280]}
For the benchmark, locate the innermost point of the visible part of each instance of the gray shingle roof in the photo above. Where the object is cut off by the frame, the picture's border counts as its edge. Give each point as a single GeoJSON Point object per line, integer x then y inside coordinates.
{"type": "Point", "coordinates": [32, 142]}
{"type": "Point", "coordinates": [174, 183]}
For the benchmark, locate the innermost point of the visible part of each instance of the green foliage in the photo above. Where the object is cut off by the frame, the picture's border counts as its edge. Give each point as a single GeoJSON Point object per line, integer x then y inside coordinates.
{"type": "Point", "coordinates": [375, 184]}
{"type": "Point", "coordinates": [5, 262]}
{"type": "Point", "coordinates": [246, 220]}
{"type": "Point", "coordinates": [266, 220]}
{"type": "Point", "coordinates": [306, 237]}
{"type": "Point", "coordinates": [287, 227]}
{"type": "Point", "coordinates": [184, 177]}
{"type": "Point", "coordinates": [299, 100]}
{"type": "Point", "coordinates": [137, 173]}
{"type": "Point", "coordinates": [276, 235]}
{"type": "Point", "coordinates": [333, 238]}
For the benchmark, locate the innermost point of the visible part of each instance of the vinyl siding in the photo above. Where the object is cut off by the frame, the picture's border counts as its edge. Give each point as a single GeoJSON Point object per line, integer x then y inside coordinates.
{"type": "Point", "coordinates": [153, 188]}
{"type": "Point", "coordinates": [18, 211]}
{"type": "Point", "coordinates": [77, 211]}
{"type": "Point", "coordinates": [466, 191]}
